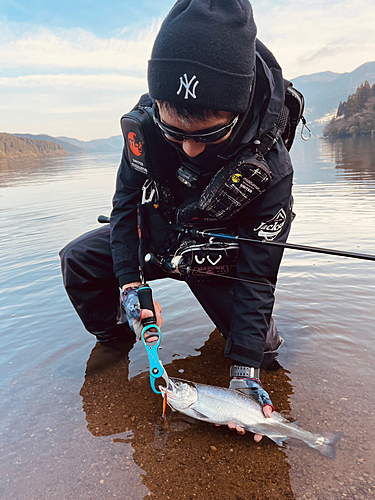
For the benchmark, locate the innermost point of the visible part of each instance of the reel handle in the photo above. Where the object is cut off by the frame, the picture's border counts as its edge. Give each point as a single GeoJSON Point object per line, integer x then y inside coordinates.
{"type": "Point", "coordinates": [146, 302]}
{"type": "Point", "coordinates": [151, 259]}
{"type": "Point", "coordinates": [103, 219]}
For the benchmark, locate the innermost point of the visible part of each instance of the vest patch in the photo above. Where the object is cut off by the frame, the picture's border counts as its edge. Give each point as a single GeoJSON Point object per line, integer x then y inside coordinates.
{"type": "Point", "coordinates": [270, 229]}
{"type": "Point", "coordinates": [139, 166]}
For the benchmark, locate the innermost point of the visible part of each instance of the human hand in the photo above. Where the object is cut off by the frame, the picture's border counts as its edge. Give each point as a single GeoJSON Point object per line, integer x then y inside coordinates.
{"type": "Point", "coordinates": [252, 387]}
{"type": "Point", "coordinates": [146, 313]}
{"type": "Point", "coordinates": [136, 315]}
{"type": "Point", "coordinates": [267, 410]}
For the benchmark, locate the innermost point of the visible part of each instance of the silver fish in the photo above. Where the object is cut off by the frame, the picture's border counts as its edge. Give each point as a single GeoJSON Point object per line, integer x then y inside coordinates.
{"type": "Point", "coordinates": [219, 405]}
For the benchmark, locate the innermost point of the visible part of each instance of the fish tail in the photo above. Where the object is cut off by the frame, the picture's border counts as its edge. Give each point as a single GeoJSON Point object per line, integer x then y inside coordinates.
{"type": "Point", "coordinates": [327, 448]}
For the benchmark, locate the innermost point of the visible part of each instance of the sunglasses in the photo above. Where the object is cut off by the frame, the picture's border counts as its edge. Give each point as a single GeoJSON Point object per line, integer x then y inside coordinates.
{"type": "Point", "coordinates": [205, 136]}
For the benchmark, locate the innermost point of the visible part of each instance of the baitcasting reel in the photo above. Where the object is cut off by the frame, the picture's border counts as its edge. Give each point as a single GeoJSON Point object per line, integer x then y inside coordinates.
{"type": "Point", "coordinates": [176, 264]}
{"type": "Point", "coordinates": [215, 258]}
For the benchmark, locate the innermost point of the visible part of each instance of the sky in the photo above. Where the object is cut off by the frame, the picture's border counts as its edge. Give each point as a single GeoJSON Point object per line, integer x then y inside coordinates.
{"type": "Point", "coordinates": [74, 68]}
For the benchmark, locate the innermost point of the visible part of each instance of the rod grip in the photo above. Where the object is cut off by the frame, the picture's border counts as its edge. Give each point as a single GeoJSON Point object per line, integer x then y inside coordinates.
{"type": "Point", "coordinates": [146, 302]}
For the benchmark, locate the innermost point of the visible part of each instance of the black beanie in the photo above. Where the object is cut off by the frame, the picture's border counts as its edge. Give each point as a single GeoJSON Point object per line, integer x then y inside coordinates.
{"type": "Point", "coordinates": [204, 55]}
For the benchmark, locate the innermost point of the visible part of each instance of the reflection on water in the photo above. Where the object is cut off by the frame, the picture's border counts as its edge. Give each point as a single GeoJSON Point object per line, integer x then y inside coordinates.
{"type": "Point", "coordinates": [353, 154]}
{"type": "Point", "coordinates": [324, 310]}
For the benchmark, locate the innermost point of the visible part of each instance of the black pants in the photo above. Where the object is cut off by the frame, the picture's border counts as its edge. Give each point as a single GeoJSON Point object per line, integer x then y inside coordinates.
{"type": "Point", "coordinates": [94, 292]}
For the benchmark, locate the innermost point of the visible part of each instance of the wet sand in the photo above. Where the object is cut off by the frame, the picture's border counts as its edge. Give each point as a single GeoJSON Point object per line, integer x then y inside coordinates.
{"type": "Point", "coordinates": [185, 460]}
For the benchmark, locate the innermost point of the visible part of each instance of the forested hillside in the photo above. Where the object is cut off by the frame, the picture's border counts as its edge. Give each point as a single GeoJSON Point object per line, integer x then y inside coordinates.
{"type": "Point", "coordinates": [22, 147]}
{"type": "Point", "coordinates": [356, 116]}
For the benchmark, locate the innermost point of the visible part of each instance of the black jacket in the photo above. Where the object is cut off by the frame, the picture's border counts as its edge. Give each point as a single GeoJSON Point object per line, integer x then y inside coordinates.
{"type": "Point", "coordinates": [269, 215]}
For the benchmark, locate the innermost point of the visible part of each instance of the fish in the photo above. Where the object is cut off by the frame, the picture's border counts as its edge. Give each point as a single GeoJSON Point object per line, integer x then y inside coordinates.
{"type": "Point", "coordinates": [219, 405]}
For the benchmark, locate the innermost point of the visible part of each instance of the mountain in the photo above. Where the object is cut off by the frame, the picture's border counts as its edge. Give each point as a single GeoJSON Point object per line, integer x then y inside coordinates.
{"type": "Point", "coordinates": [12, 146]}
{"type": "Point", "coordinates": [324, 91]}
{"type": "Point", "coordinates": [325, 76]}
{"type": "Point", "coordinates": [355, 116]}
{"type": "Point", "coordinates": [74, 146]}
{"type": "Point", "coordinates": [44, 137]}
{"type": "Point", "coordinates": [113, 144]}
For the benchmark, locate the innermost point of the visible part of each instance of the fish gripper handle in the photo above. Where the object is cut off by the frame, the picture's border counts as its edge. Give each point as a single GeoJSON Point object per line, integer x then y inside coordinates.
{"type": "Point", "coordinates": [146, 302]}
{"type": "Point", "coordinates": [152, 329]}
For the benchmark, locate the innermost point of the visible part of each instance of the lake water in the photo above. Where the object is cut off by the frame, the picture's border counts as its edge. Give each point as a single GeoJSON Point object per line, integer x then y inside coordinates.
{"type": "Point", "coordinates": [68, 431]}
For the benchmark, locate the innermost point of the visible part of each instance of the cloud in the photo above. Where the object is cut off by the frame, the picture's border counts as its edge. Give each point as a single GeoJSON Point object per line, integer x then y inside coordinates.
{"type": "Point", "coordinates": [93, 81]}
{"type": "Point", "coordinates": [318, 35]}
{"type": "Point", "coordinates": [70, 110]}
{"type": "Point", "coordinates": [78, 112]}
{"type": "Point", "coordinates": [75, 48]}
{"type": "Point", "coordinates": [70, 82]}
{"type": "Point", "coordinates": [320, 54]}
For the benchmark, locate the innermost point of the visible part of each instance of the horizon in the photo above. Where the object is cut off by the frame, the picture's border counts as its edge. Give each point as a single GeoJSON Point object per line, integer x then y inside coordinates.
{"type": "Point", "coordinates": [72, 72]}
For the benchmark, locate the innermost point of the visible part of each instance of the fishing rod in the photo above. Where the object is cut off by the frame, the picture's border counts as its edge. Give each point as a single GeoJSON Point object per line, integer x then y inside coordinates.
{"type": "Point", "coordinates": [292, 246]}
{"type": "Point", "coordinates": [234, 238]}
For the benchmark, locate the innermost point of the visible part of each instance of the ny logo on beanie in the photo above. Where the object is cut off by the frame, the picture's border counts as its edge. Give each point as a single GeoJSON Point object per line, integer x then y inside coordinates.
{"type": "Point", "coordinates": [187, 84]}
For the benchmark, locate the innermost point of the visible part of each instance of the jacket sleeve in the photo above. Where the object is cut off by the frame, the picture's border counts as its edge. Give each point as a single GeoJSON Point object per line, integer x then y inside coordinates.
{"type": "Point", "coordinates": [268, 217]}
{"type": "Point", "coordinates": [124, 233]}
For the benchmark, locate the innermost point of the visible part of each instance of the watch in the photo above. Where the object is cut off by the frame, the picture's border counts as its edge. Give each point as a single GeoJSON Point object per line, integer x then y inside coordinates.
{"type": "Point", "coordinates": [244, 371]}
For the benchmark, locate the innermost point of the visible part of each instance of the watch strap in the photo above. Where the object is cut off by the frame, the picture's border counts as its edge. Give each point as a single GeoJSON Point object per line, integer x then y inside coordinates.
{"type": "Point", "coordinates": [244, 371]}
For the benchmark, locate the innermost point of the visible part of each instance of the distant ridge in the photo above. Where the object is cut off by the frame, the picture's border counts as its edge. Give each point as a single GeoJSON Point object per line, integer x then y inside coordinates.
{"type": "Point", "coordinates": [44, 137]}
{"type": "Point", "coordinates": [113, 144]}
{"type": "Point", "coordinates": [12, 146]}
{"type": "Point", "coordinates": [324, 91]}
{"type": "Point", "coordinates": [325, 76]}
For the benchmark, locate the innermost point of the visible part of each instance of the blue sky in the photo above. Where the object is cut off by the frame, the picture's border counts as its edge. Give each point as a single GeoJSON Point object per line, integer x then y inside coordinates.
{"type": "Point", "coordinates": [73, 68]}
{"type": "Point", "coordinates": [105, 18]}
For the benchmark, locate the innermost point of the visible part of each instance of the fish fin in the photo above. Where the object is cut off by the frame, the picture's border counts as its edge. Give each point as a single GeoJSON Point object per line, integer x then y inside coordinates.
{"type": "Point", "coordinates": [327, 448]}
{"type": "Point", "coordinates": [331, 438]}
{"type": "Point", "coordinates": [265, 431]}
{"type": "Point", "coordinates": [279, 440]}
{"type": "Point", "coordinates": [199, 415]}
